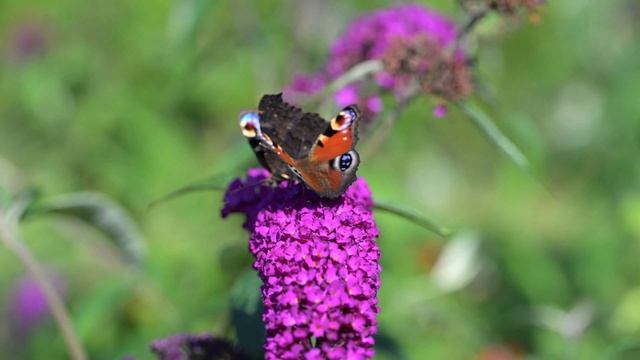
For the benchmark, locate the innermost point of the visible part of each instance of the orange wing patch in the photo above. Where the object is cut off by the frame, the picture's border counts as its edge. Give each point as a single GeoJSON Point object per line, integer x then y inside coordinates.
{"type": "Point", "coordinates": [332, 146]}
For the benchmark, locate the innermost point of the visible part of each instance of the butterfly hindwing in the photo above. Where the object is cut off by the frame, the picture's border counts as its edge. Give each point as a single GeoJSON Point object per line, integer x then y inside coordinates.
{"type": "Point", "coordinates": [332, 164]}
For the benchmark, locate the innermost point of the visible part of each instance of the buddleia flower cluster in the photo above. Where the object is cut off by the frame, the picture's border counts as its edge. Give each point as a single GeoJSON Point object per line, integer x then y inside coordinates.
{"type": "Point", "coordinates": [418, 48]}
{"type": "Point", "coordinates": [319, 264]}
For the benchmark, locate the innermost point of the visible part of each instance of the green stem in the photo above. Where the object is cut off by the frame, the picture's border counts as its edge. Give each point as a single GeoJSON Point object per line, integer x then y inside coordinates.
{"type": "Point", "coordinates": [383, 130]}
{"type": "Point", "coordinates": [357, 72]}
{"type": "Point", "coordinates": [354, 74]}
{"type": "Point", "coordinates": [205, 186]}
{"type": "Point", "coordinates": [414, 217]}
{"type": "Point", "coordinates": [488, 127]}
{"type": "Point", "coordinates": [9, 236]}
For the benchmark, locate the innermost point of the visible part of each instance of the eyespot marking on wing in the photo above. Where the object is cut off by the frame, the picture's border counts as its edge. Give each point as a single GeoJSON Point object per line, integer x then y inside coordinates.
{"type": "Point", "coordinates": [344, 119]}
{"type": "Point", "coordinates": [250, 124]}
{"type": "Point", "coordinates": [345, 162]}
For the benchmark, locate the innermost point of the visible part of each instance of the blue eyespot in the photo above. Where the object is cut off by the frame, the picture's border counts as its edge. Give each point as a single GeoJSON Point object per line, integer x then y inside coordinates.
{"type": "Point", "coordinates": [345, 161]}
{"type": "Point", "coordinates": [250, 116]}
{"type": "Point", "coordinates": [250, 124]}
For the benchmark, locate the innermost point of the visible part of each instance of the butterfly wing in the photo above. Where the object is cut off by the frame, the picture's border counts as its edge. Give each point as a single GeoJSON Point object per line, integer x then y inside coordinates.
{"type": "Point", "coordinates": [290, 142]}
{"type": "Point", "coordinates": [332, 163]}
{"type": "Point", "coordinates": [262, 146]}
{"type": "Point", "coordinates": [288, 126]}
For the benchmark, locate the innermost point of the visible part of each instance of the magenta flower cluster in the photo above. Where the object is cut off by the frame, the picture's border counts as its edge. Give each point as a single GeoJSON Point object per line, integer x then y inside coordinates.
{"type": "Point", "coordinates": [368, 38]}
{"type": "Point", "coordinates": [319, 263]}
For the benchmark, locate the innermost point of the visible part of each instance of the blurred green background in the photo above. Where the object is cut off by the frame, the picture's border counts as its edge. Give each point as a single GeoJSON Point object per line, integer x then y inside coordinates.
{"type": "Point", "coordinates": [137, 98]}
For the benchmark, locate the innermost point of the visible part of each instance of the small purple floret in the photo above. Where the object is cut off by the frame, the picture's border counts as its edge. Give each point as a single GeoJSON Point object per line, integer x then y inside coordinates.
{"type": "Point", "coordinates": [319, 263]}
{"type": "Point", "coordinates": [440, 111]}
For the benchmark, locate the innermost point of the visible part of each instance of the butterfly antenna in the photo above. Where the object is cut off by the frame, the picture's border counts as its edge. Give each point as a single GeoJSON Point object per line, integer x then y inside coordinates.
{"type": "Point", "coordinates": [252, 185]}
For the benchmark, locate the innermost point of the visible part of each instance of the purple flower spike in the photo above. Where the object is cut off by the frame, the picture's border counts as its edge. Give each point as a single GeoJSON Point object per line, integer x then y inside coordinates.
{"type": "Point", "coordinates": [319, 263]}
{"type": "Point", "coordinates": [416, 46]}
{"type": "Point", "coordinates": [369, 36]}
{"type": "Point", "coordinates": [194, 346]}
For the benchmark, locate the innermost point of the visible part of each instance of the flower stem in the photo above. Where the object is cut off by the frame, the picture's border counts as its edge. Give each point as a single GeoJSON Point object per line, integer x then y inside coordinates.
{"type": "Point", "coordinates": [382, 131]}
{"type": "Point", "coordinates": [414, 217]}
{"type": "Point", "coordinates": [494, 134]}
{"type": "Point", "coordinates": [354, 74]}
{"type": "Point", "coordinates": [357, 72]}
{"type": "Point", "coordinates": [9, 236]}
{"type": "Point", "coordinates": [471, 22]}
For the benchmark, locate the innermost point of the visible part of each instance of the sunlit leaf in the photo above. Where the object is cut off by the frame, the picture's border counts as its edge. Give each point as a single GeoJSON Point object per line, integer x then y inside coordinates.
{"type": "Point", "coordinates": [458, 263]}
{"type": "Point", "coordinates": [413, 216]}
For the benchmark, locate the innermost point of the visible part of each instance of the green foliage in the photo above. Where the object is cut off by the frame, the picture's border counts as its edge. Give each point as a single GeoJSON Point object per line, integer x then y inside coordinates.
{"type": "Point", "coordinates": [134, 99]}
{"type": "Point", "coordinates": [246, 313]}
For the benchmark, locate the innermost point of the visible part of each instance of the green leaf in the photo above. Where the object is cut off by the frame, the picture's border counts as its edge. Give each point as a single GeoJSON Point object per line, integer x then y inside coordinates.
{"type": "Point", "coordinates": [185, 19]}
{"type": "Point", "coordinates": [246, 314]}
{"type": "Point", "coordinates": [102, 213]}
{"type": "Point", "coordinates": [623, 349]}
{"type": "Point", "coordinates": [5, 198]}
{"type": "Point", "coordinates": [385, 344]}
{"type": "Point", "coordinates": [21, 204]}
{"type": "Point", "coordinates": [413, 216]}
{"type": "Point", "coordinates": [488, 127]}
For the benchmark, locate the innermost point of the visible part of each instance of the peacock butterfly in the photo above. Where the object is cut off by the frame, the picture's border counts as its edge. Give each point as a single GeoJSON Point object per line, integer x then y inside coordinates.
{"type": "Point", "coordinates": [303, 146]}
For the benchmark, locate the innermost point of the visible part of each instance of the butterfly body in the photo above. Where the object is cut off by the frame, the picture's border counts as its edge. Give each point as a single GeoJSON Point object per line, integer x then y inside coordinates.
{"type": "Point", "coordinates": [293, 144]}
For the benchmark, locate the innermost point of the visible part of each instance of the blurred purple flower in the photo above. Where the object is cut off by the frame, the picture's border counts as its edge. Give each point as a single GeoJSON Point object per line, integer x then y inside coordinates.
{"type": "Point", "coordinates": [373, 104]}
{"type": "Point", "coordinates": [411, 40]}
{"type": "Point", "coordinates": [347, 95]}
{"type": "Point", "coordinates": [369, 36]}
{"type": "Point", "coordinates": [28, 305]}
{"type": "Point", "coordinates": [319, 263]}
{"type": "Point", "coordinates": [195, 346]}
{"type": "Point", "coordinates": [27, 40]}
{"type": "Point", "coordinates": [440, 111]}
{"type": "Point", "coordinates": [308, 84]}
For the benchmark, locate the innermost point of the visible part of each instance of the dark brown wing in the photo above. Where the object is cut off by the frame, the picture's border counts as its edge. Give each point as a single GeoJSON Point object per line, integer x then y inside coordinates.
{"type": "Point", "coordinates": [288, 126]}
